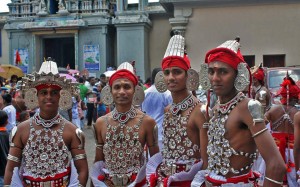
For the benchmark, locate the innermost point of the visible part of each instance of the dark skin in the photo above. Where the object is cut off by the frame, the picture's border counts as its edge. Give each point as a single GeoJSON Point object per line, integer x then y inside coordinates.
{"type": "Point", "coordinates": [122, 91]}
{"type": "Point", "coordinates": [240, 128]}
{"type": "Point", "coordinates": [175, 79]}
{"type": "Point", "coordinates": [48, 99]}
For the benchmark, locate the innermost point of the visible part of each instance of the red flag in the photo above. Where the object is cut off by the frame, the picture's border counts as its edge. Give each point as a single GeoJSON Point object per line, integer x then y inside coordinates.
{"type": "Point", "coordinates": [18, 58]}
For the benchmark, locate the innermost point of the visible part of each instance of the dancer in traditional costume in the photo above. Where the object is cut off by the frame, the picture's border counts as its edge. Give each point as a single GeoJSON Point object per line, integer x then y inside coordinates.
{"type": "Point", "coordinates": [259, 91]}
{"type": "Point", "coordinates": [183, 122]}
{"type": "Point", "coordinates": [282, 126]}
{"type": "Point", "coordinates": [236, 129]}
{"type": "Point", "coordinates": [122, 134]}
{"type": "Point", "coordinates": [47, 150]}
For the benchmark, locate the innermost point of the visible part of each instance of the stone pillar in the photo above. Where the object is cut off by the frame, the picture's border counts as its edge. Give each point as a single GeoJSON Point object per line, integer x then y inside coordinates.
{"type": "Point", "coordinates": [181, 19]}
{"type": "Point", "coordinates": [133, 40]}
{"type": "Point", "coordinates": [76, 49]}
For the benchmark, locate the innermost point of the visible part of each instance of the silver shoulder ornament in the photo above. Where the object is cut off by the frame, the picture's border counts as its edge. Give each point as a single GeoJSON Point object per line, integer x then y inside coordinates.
{"type": "Point", "coordinates": [12, 135]}
{"type": "Point", "coordinates": [255, 110]}
{"type": "Point", "coordinates": [81, 137]}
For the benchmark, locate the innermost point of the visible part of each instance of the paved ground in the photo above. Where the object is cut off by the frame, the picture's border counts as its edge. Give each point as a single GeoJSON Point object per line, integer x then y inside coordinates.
{"type": "Point", "coordinates": [89, 147]}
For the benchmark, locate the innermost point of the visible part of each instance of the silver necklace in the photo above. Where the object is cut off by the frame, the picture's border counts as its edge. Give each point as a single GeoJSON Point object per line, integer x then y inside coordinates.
{"type": "Point", "coordinates": [47, 123]}
{"type": "Point", "coordinates": [123, 117]}
{"type": "Point", "coordinates": [182, 106]}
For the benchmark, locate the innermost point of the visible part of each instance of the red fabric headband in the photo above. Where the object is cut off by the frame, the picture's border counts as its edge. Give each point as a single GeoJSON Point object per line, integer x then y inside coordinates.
{"type": "Point", "coordinates": [224, 55]}
{"type": "Point", "coordinates": [176, 61]}
{"type": "Point", "coordinates": [259, 75]}
{"type": "Point", "coordinates": [123, 73]}
{"type": "Point", "coordinates": [43, 86]}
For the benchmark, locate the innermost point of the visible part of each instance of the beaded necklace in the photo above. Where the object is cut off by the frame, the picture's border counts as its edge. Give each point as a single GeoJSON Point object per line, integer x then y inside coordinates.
{"type": "Point", "coordinates": [182, 106]}
{"type": "Point", "coordinates": [38, 120]}
{"type": "Point", "coordinates": [123, 117]}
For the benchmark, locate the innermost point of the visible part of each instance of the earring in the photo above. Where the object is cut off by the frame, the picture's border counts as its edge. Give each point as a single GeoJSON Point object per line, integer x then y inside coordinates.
{"type": "Point", "coordinates": [30, 98]}
{"type": "Point", "coordinates": [192, 82]}
{"type": "Point", "coordinates": [204, 81]}
{"type": "Point", "coordinates": [159, 82]}
{"type": "Point", "coordinates": [65, 101]}
{"type": "Point", "coordinates": [139, 95]}
{"type": "Point", "coordinates": [242, 79]}
{"type": "Point", "coordinates": [106, 96]}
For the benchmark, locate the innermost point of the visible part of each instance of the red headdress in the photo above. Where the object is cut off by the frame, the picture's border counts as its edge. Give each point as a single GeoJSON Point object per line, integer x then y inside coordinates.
{"type": "Point", "coordinates": [175, 55]}
{"type": "Point", "coordinates": [228, 52]}
{"type": "Point", "coordinates": [288, 89]}
{"type": "Point", "coordinates": [125, 70]}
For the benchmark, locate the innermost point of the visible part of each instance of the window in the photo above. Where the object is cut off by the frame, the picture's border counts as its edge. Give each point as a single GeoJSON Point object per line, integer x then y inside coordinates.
{"type": "Point", "coordinates": [250, 60]}
{"type": "Point", "coordinates": [274, 61]}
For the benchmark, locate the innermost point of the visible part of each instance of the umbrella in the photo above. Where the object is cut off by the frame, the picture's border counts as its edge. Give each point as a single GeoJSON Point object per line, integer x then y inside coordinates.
{"type": "Point", "coordinates": [73, 71]}
{"type": "Point", "coordinates": [109, 73]}
{"type": "Point", "coordinates": [68, 76]}
{"type": "Point", "coordinates": [10, 70]}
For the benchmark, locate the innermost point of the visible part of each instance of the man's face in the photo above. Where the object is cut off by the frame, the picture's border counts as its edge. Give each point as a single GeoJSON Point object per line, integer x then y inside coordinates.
{"type": "Point", "coordinates": [122, 91]}
{"type": "Point", "coordinates": [48, 99]}
{"type": "Point", "coordinates": [103, 79]}
{"type": "Point", "coordinates": [175, 78]}
{"type": "Point", "coordinates": [221, 77]}
{"type": "Point", "coordinates": [255, 82]}
{"type": "Point", "coordinates": [92, 81]}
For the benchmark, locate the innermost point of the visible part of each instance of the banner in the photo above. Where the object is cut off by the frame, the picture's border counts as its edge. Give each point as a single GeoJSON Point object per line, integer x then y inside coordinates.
{"type": "Point", "coordinates": [91, 57]}
{"type": "Point", "coordinates": [21, 59]}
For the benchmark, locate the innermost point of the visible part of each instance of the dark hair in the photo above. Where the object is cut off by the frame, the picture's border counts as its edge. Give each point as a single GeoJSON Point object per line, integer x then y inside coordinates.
{"type": "Point", "coordinates": [154, 72]}
{"type": "Point", "coordinates": [13, 77]}
{"type": "Point", "coordinates": [3, 118]}
{"type": "Point", "coordinates": [23, 115]}
{"type": "Point", "coordinates": [102, 75]}
{"type": "Point", "coordinates": [7, 98]}
{"type": "Point", "coordinates": [80, 80]}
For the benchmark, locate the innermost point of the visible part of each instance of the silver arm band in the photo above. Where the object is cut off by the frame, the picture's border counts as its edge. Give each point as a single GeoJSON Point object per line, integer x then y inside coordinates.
{"type": "Point", "coordinates": [7, 185]}
{"type": "Point", "coordinates": [205, 125]}
{"type": "Point", "coordinates": [13, 158]}
{"type": "Point", "coordinates": [79, 157]}
{"type": "Point", "coordinates": [99, 146]}
{"type": "Point", "coordinates": [80, 185]}
{"type": "Point", "coordinates": [274, 181]}
{"type": "Point", "coordinates": [259, 132]}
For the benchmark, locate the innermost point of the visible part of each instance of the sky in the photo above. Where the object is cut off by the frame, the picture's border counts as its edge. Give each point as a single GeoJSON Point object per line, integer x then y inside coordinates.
{"type": "Point", "coordinates": [4, 7]}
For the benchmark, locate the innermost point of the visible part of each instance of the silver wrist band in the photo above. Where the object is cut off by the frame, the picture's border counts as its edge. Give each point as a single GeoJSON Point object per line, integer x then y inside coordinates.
{"type": "Point", "coordinates": [6, 185]}
{"type": "Point", "coordinates": [13, 158]}
{"type": "Point", "coordinates": [80, 185]}
{"type": "Point", "coordinates": [79, 157]}
{"type": "Point", "coordinates": [274, 181]}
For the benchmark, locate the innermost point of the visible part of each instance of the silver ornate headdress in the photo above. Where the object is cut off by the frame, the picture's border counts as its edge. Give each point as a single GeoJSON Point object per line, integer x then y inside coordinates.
{"type": "Point", "coordinates": [139, 94]}
{"type": "Point", "coordinates": [48, 75]}
{"type": "Point", "coordinates": [176, 50]}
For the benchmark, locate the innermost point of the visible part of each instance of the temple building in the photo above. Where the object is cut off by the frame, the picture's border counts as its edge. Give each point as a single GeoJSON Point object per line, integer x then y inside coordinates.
{"type": "Point", "coordinates": [98, 34]}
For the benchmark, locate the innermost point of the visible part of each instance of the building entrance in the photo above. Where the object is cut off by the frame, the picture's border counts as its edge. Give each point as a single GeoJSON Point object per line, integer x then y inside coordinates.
{"type": "Point", "coordinates": [61, 50]}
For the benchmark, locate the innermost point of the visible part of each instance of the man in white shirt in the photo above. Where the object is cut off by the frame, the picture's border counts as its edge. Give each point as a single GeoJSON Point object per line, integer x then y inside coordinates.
{"type": "Point", "coordinates": [10, 111]}
{"type": "Point", "coordinates": [154, 105]}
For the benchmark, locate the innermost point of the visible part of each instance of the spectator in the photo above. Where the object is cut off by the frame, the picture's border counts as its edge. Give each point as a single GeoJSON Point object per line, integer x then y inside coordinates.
{"type": "Point", "coordinates": [103, 79]}
{"type": "Point", "coordinates": [155, 99]}
{"type": "Point", "coordinates": [4, 144]}
{"type": "Point", "coordinates": [10, 111]}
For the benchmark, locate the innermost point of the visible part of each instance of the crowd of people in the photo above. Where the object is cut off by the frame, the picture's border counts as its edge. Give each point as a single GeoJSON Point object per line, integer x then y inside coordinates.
{"type": "Point", "coordinates": [153, 134]}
